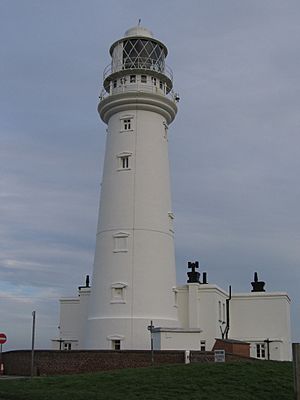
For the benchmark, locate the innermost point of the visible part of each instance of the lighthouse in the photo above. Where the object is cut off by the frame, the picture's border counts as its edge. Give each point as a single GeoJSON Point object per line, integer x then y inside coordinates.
{"type": "Point", "coordinates": [134, 281]}
{"type": "Point", "coordinates": [134, 275]}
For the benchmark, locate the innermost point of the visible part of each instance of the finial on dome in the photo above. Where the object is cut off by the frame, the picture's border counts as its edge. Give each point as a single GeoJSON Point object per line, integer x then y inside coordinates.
{"type": "Point", "coordinates": [139, 23]}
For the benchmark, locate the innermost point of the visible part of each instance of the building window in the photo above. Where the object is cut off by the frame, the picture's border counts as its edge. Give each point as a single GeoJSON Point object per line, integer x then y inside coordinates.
{"type": "Point", "coordinates": [153, 80]}
{"type": "Point", "coordinates": [125, 162]}
{"type": "Point", "coordinates": [161, 85]}
{"type": "Point", "coordinates": [132, 78]}
{"type": "Point", "coordinates": [220, 312]}
{"type": "Point", "coordinates": [67, 346]}
{"type": "Point", "coordinates": [118, 293]}
{"type": "Point", "coordinates": [120, 242]}
{"type": "Point", "coordinates": [144, 78]}
{"type": "Point", "coordinates": [126, 124]}
{"type": "Point", "coordinates": [260, 350]}
{"type": "Point", "coordinates": [115, 83]}
{"type": "Point", "coordinates": [116, 344]}
{"type": "Point", "coordinates": [202, 345]}
{"type": "Point", "coordinates": [224, 312]}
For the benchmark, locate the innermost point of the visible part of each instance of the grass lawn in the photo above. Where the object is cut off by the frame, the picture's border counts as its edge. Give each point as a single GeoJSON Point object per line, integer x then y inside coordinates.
{"type": "Point", "coordinates": [235, 381]}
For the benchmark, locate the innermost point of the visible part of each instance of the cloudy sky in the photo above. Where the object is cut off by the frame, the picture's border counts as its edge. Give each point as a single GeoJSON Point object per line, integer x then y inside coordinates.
{"type": "Point", "coordinates": [234, 146]}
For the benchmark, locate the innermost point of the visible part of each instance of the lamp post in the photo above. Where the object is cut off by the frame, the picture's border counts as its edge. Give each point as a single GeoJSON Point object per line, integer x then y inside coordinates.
{"type": "Point", "coordinates": [32, 344]}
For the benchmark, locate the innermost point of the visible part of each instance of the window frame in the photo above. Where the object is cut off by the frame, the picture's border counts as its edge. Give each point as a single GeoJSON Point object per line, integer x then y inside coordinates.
{"type": "Point", "coordinates": [124, 161]}
{"type": "Point", "coordinates": [127, 123]}
{"type": "Point", "coordinates": [116, 298]}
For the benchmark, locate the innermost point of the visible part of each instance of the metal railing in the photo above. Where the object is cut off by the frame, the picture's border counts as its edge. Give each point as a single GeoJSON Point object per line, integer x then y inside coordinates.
{"type": "Point", "coordinates": [139, 87]}
{"type": "Point", "coordinates": [138, 63]}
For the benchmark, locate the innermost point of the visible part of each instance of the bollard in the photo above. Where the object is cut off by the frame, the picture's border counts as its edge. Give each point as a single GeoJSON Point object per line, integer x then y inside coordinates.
{"type": "Point", "coordinates": [187, 359]}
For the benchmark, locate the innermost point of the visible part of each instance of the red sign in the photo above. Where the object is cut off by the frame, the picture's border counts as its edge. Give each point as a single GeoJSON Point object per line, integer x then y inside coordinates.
{"type": "Point", "coordinates": [2, 338]}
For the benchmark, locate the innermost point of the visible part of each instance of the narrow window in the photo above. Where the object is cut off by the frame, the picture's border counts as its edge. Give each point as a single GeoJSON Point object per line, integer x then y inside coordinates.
{"type": "Point", "coordinates": [126, 124]}
{"type": "Point", "coordinates": [144, 78]}
{"type": "Point", "coordinates": [124, 162]}
{"type": "Point", "coordinates": [153, 80]}
{"type": "Point", "coordinates": [161, 85]}
{"type": "Point", "coordinates": [202, 345]}
{"type": "Point", "coordinates": [118, 293]}
{"type": "Point", "coordinates": [116, 344]}
{"type": "Point", "coordinates": [132, 78]}
{"type": "Point", "coordinates": [223, 312]}
{"type": "Point", "coordinates": [115, 83]}
{"type": "Point", "coordinates": [220, 312]}
{"type": "Point", "coordinates": [260, 350]}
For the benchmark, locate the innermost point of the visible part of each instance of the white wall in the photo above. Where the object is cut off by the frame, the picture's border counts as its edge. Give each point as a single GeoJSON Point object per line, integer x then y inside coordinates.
{"type": "Point", "coordinates": [198, 307]}
{"type": "Point", "coordinates": [176, 340]}
{"type": "Point", "coordinates": [257, 316]}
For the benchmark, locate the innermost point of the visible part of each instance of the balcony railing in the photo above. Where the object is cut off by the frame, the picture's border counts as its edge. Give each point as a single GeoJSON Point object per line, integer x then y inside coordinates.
{"type": "Point", "coordinates": [138, 63]}
{"type": "Point", "coordinates": [140, 87]}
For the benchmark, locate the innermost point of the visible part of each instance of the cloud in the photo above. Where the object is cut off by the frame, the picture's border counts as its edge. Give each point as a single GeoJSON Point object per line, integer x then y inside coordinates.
{"type": "Point", "coordinates": [233, 146]}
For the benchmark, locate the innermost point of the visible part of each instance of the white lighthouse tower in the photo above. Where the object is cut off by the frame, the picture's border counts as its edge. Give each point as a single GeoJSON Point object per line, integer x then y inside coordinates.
{"type": "Point", "coordinates": [134, 268]}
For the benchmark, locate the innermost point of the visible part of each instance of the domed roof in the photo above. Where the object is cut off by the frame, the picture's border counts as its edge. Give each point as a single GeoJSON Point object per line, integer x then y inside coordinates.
{"type": "Point", "coordinates": [138, 31]}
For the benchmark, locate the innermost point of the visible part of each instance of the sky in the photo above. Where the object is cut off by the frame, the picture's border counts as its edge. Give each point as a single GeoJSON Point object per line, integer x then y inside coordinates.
{"type": "Point", "coordinates": [234, 145]}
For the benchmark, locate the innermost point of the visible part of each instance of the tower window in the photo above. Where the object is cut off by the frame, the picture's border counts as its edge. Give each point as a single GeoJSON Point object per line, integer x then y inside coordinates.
{"type": "Point", "coordinates": [120, 242]}
{"type": "Point", "coordinates": [115, 83]}
{"type": "Point", "coordinates": [124, 162]}
{"type": "Point", "coordinates": [202, 345]}
{"type": "Point", "coordinates": [118, 293]}
{"type": "Point", "coordinates": [116, 344]}
{"type": "Point", "coordinates": [161, 85]}
{"type": "Point", "coordinates": [144, 78]}
{"type": "Point", "coordinates": [132, 78]}
{"type": "Point", "coordinates": [153, 80]}
{"type": "Point", "coordinates": [127, 124]}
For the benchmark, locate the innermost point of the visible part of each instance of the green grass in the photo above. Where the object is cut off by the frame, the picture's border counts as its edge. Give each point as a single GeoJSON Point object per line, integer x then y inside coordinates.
{"type": "Point", "coordinates": [235, 381]}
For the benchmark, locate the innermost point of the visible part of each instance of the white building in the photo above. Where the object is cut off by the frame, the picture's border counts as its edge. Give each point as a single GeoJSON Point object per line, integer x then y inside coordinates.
{"type": "Point", "coordinates": [134, 280]}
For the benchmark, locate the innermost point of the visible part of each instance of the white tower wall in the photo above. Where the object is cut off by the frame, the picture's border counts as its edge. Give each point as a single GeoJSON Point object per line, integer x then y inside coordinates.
{"type": "Point", "coordinates": [134, 267]}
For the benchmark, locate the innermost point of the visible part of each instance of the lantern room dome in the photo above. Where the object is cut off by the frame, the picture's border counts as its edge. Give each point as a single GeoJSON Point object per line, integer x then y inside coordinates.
{"type": "Point", "coordinates": [138, 31]}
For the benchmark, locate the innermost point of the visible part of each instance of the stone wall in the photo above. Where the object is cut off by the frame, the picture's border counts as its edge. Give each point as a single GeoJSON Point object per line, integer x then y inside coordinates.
{"type": "Point", "coordinates": [55, 362]}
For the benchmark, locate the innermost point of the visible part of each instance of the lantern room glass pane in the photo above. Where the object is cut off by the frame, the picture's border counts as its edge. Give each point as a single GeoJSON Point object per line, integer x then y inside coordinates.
{"type": "Point", "coordinates": [142, 53]}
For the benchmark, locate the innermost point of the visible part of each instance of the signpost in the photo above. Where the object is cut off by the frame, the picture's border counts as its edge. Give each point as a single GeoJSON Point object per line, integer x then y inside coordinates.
{"type": "Point", "coordinates": [219, 355]}
{"type": "Point", "coordinates": [3, 339]}
{"type": "Point", "coordinates": [150, 328]}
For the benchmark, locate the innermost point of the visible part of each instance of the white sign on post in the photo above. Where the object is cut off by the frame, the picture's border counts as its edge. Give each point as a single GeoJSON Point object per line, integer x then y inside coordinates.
{"type": "Point", "coordinates": [219, 355]}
